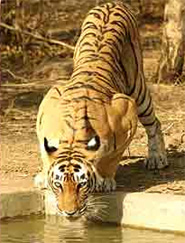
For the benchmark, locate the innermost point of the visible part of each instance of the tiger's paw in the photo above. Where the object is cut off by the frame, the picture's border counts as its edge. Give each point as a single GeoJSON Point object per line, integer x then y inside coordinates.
{"type": "Point", "coordinates": [156, 161]}
{"type": "Point", "coordinates": [157, 158]}
{"type": "Point", "coordinates": [109, 184]}
{"type": "Point", "coordinates": [40, 181]}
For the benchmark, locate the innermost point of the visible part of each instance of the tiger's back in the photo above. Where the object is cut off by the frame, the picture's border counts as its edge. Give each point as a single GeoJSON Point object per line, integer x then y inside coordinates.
{"type": "Point", "coordinates": [109, 50]}
{"type": "Point", "coordinates": [92, 119]}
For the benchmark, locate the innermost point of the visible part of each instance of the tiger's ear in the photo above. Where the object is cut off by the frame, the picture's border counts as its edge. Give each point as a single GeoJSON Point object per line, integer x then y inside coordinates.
{"type": "Point", "coordinates": [122, 117]}
{"type": "Point", "coordinates": [51, 147]}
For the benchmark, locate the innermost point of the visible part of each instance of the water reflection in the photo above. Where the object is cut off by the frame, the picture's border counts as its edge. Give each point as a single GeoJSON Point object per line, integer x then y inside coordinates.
{"type": "Point", "coordinates": [58, 229]}
{"type": "Point", "coordinates": [79, 231]}
{"type": "Point", "coordinates": [55, 229]}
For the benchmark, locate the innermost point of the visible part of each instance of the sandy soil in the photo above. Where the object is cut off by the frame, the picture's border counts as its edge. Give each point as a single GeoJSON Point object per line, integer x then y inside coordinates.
{"type": "Point", "coordinates": [20, 159]}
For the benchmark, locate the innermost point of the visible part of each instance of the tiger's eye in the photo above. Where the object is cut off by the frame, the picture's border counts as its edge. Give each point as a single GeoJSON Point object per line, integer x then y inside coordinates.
{"type": "Point", "coordinates": [57, 184]}
{"type": "Point", "coordinates": [81, 184]}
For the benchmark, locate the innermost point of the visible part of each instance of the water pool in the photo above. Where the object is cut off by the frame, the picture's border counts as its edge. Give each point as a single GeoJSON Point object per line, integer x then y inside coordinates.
{"type": "Point", "coordinates": [55, 230]}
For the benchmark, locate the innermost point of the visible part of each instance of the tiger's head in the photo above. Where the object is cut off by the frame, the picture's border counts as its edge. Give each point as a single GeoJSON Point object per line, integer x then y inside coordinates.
{"type": "Point", "coordinates": [71, 182]}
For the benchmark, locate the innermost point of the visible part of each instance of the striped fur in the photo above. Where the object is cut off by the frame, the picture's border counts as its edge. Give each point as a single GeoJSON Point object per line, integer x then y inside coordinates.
{"type": "Point", "coordinates": [90, 121]}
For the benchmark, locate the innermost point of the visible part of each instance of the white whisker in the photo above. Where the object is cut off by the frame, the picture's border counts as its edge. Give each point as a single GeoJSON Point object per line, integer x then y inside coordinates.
{"type": "Point", "coordinates": [98, 204]}
{"type": "Point", "coordinates": [94, 198]}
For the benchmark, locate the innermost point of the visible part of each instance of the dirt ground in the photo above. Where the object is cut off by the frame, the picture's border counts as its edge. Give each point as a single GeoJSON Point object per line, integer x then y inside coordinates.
{"type": "Point", "coordinates": [20, 159]}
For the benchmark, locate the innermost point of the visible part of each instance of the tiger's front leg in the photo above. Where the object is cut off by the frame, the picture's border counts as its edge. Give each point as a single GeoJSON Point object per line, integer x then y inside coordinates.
{"type": "Point", "coordinates": [156, 147]}
{"type": "Point", "coordinates": [40, 180]}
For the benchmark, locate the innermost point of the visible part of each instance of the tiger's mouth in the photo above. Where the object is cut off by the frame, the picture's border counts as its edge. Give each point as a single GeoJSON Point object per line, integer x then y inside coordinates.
{"type": "Point", "coordinates": [72, 215]}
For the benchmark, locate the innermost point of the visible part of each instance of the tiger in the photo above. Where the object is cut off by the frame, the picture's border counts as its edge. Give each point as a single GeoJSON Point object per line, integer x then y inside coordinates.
{"type": "Point", "coordinates": [85, 124]}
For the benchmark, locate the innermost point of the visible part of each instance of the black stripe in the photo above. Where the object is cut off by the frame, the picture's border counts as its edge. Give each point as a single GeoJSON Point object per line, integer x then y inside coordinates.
{"type": "Point", "coordinates": [136, 61]}
{"type": "Point", "coordinates": [68, 116]}
{"type": "Point", "coordinates": [103, 87]}
{"type": "Point", "coordinates": [102, 76]}
{"type": "Point", "coordinates": [140, 84]}
{"type": "Point", "coordinates": [111, 75]}
{"type": "Point", "coordinates": [117, 69]}
{"type": "Point", "coordinates": [77, 83]}
{"type": "Point", "coordinates": [90, 25]}
{"type": "Point", "coordinates": [89, 73]}
{"type": "Point", "coordinates": [87, 43]}
{"type": "Point", "coordinates": [96, 15]}
{"type": "Point", "coordinates": [107, 53]}
{"type": "Point", "coordinates": [62, 158]}
{"type": "Point", "coordinates": [94, 178]}
{"type": "Point", "coordinates": [121, 41]}
{"type": "Point", "coordinates": [148, 114]}
{"type": "Point", "coordinates": [104, 14]}
{"type": "Point", "coordinates": [58, 91]}
{"type": "Point", "coordinates": [40, 120]}
{"type": "Point", "coordinates": [129, 15]}
{"type": "Point", "coordinates": [144, 94]}
{"type": "Point", "coordinates": [79, 159]}
{"type": "Point", "coordinates": [114, 140]}
{"type": "Point", "coordinates": [86, 118]}
{"type": "Point", "coordinates": [146, 109]}
{"type": "Point", "coordinates": [102, 45]}
{"type": "Point", "coordinates": [83, 97]}
{"type": "Point", "coordinates": [69, 125]}
{"type": "Point", "coordinates": [121, 16]}
{"type": "Point", "coordinates": [114, 68]}
{"type": "Point", "coordinates": [82, 141]}
{"type": "Point", "coordinates": [76, 69]}
{"type": "Point", "coordinates": [89, 86]}
{"type": "Point", "coordinates": [99, 99]}
{"type": "Point", "coordinates": [124, 74]}
{"type": "Point", "coordinates": [104, 81]}
{"type": "Point", "coordinates": [132, 21]}
{"type": "Point", "coordinates": [63, 141]}
{"type": "Point", "coordinates": [132, 90]}
{"type": "Point", "coordinates": [84, 35]}
{"type": "Point", "coordinates": [114, 65]}
{"type": "Point", "coordinates": [115, 46]}
{"type": "Point", "coordinates": [86, 60]}
{"type": "Point", "coordinates": [72, 88]}
{"type": "Point", "coordinates": [120, 24]}
{"type": "Point", "coordinates": [111, 46]}
{"type": "Point", "coordinates": [149, 124]}
{"type": "Point", "coordinates": [86, 50]}
{"type": "Point", "coordinates": [112, 30]}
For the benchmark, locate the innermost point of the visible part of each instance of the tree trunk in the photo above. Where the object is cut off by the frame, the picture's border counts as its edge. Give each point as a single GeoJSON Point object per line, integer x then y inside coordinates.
{"type": "Point", "coordinates": [173, 42]}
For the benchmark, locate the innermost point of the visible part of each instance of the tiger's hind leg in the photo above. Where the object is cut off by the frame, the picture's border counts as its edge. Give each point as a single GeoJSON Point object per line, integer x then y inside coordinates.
{"type": "Point", "coordinates": [156, 147]}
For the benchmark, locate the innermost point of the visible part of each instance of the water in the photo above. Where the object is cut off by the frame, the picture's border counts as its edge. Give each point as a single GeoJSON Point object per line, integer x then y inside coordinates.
{"type": "Point", "coordinates": [55, 230]}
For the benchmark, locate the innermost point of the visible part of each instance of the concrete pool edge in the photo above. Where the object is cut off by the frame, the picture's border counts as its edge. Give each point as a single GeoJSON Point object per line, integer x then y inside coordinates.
{"type": "Point", "coordinates": [144, 210]}
{"type": "Point", "coordinates": [156, 211]}
{"type": "Point", "coordinates": [21, 203]}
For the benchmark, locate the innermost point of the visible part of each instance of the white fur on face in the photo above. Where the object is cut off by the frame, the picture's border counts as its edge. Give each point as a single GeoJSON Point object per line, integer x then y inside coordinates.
{"type": "Point", "coordinates": [79, 172]}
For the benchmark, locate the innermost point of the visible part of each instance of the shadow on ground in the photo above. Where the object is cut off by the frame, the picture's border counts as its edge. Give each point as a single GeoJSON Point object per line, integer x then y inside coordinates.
{"type": "Point", "coordinates": [134, 177]}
